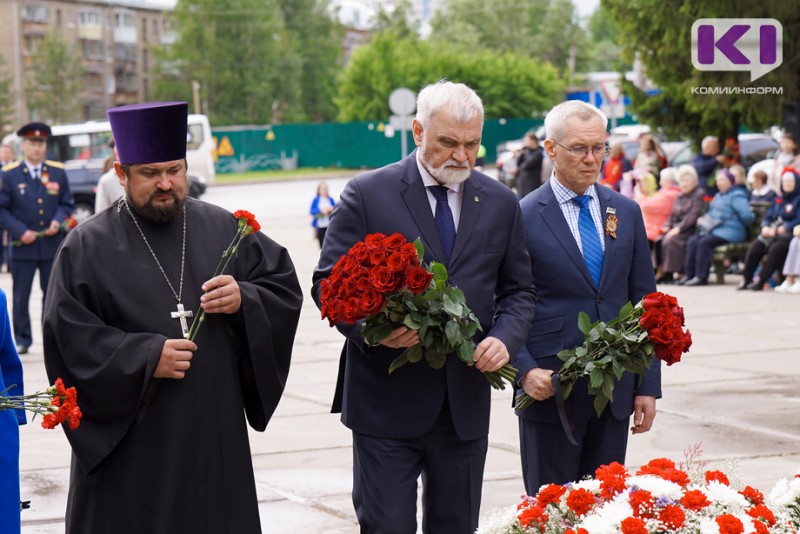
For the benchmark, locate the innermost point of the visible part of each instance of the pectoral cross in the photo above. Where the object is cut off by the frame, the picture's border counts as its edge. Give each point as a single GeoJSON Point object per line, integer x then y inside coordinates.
{"type": "Point", "coordinates": [181, 315]}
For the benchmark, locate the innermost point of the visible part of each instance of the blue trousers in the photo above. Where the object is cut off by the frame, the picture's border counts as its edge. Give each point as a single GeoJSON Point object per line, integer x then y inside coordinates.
{"type": "Point", "coordinates": [385, 473]}
{"type": "Point", "coordinates": [549, 458]}
{"type": "Point", "coordinates": [22, 273]}
{"type": "Point", "coordinates": [699, 251]}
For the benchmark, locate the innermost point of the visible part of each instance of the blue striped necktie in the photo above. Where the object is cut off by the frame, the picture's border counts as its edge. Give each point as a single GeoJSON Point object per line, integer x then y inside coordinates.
{"type": "Point", "coordinates": [444, 220]}
{"type": "Point", "coordinates": [592, 250]}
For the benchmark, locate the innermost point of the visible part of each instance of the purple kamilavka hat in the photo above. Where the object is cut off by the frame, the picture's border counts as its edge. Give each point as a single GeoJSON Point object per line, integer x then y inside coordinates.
{"type": "Point", "coordinates": [153, 132]}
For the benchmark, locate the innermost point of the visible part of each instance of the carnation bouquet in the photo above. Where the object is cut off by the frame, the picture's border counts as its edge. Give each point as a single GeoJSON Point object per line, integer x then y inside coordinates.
{"type": "Point", "coordinates": [653, 327]}
{"type": "Point", "coordinates": [382, 280]}
{"type": "Point", "coordinates": [65, 226]}
{"type": "Point", "coordinates": [658, 498]}
{"type": "Point", "coordinates": [57, 404]}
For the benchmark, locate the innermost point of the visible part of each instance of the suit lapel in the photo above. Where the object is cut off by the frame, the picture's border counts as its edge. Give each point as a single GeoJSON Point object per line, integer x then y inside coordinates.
{"type": "Point", "coordinates": [553, 217]}
{"type": "Point", "coordinates": [470, 211]}
{"type": "Point", "coordinates": [606, 202]}
{"type": "Point", "coordinates": [418, 205]}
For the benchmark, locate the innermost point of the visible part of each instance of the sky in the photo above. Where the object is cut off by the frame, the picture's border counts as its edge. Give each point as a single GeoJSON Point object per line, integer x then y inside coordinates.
{"type": "Point", "coordinates": [585, 8]}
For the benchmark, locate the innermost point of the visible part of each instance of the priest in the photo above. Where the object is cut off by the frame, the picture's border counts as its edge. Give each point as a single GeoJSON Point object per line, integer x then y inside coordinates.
{"type": "Point", "coordinates": [163, 446]}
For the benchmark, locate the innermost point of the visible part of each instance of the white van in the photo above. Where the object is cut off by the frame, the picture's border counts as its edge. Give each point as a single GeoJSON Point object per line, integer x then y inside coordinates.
{"type": "Point", "coordinates": [84, 147]}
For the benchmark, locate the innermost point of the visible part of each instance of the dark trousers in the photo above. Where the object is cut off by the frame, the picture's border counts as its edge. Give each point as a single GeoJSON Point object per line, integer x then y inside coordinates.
{"type": "Point", "coordinates": [549, 458]}
{"type": "Point", "coordinates": [321, 235]}
{"type": "Point", "coordinates": [776, 255]}
{"type": "Point", "coordinates": [22, 273]}
{"type": "Point", "coordinates": [699, 251]}
{"type": "Point", "coordinates": [385, 473]}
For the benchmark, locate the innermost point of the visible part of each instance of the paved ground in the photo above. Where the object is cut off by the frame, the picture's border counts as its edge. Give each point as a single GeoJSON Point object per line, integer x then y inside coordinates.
{"type": "Point", "coordinates": [735, 393]}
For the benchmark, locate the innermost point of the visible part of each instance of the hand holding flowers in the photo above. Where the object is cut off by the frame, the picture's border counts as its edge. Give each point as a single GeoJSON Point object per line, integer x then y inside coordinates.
{"type": "Point", "coordinates": [65, 226]}
{"type": "Point", "coordinates": [247, 224]}
{"type": "Point", "coordinates": [382, 280]}
{"type": "Point", "coordinates": [654, 327]}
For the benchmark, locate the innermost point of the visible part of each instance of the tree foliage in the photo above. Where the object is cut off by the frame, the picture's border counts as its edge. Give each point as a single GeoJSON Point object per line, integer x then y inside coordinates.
{"type": "Point", "coordinates": [510, 84]}
{"type": "Point", "coordinates": [53, 82]}
{"type": "Point", "coordinates": [257, 61]}
{"type": "Point", "coordinates": [542, 29]}
{"type": "Point", "coordinates": [6, 97]}
{"type": "Point", "coordinates": [659, 32]}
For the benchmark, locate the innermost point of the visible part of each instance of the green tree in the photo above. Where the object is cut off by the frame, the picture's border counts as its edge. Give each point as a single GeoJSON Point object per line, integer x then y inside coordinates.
{"type": "Point", "coordinates": [54, 80]}
{"type": "Point", "coordinates": [241, 54]}
{"type": "Point", "coordinates": [7, 96]}
{"type": "Point", "coordinates": [317, 41]}
{"type": "Point", "coordinates": [658, 32]}
{"type": "Point", "coordinates": [562, 40]}
{"type": "Point", "coordinates": [605, 51]}
{"type": "Point", "coordinates": [511, 85]}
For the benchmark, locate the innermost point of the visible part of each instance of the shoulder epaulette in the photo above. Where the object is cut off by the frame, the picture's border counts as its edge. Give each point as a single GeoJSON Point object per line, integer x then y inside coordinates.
{"type": "Point", "coordinates": [56, 164]}
{"type": "Point", "coordinates": [10, 166]}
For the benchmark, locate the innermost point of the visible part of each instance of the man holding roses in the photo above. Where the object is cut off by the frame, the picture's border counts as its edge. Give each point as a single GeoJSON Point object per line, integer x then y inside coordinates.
{"type": "Point", "coordinates": [420, 420]}
{"type": "Point", "coordinates": [589, 253]}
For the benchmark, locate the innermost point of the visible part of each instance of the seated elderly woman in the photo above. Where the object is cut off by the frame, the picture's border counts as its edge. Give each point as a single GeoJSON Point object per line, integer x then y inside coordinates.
{"type": "Point", "coordinates": [657, 203]}
{"type": "Point", "coordinates": [670, 248]}
{"type": "Point", "coordinates": [776, 233]}
{"type": "Point", "coordinates": [726, 221]}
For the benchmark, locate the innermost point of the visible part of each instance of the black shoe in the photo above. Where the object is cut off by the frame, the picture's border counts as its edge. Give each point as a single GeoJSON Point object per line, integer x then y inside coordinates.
{"type": "Point", "coordinates": [755, 286]}
{"type": "Point", "coordinates": [743, 285]}
{"type": "Point", "coordinates": [665, 279]}
{"type": "Point", "coordinates": [22, 349]}
{"type": "Point", "coordinates": [682, 281]}
{"type": "Point", "coordinates": [696, 282]}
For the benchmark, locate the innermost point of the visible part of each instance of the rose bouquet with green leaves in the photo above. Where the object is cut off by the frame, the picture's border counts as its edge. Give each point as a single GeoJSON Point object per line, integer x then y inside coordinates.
{"type": "Point", "coordinates": [383, 281]}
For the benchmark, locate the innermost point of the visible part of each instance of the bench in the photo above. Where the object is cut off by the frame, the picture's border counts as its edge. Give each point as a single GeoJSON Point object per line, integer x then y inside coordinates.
{"type": "Point", "coordinates": [730, 251]}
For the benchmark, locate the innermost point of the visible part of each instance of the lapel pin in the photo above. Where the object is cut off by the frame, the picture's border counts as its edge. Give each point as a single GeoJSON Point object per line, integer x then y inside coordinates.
{"type": "Point", "coordinates": [477, 199]}
{"type": "Point", "coordinates": [609, 209]}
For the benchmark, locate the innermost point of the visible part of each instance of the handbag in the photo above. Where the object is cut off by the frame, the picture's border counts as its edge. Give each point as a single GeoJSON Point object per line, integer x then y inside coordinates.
{"type": "Point", "coordinates": [706, 223]}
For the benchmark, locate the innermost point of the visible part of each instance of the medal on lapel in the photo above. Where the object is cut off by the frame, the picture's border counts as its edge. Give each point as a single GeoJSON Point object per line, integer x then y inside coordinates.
{"type": "Point", "coordinates": [611, 222]}
{"type": "Point", "coordinates": [45, 176]}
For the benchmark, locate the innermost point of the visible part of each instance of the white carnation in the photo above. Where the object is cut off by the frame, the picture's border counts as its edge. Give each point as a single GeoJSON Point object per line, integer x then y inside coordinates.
{"type": "Point", "coordinates": [724, 495]}
{"type": "Point", "coordinates": [499, 521]}
{"type": "Point", "coordinates": [657, 486]}
{"type": "Point", "coordinates": [607, 519]}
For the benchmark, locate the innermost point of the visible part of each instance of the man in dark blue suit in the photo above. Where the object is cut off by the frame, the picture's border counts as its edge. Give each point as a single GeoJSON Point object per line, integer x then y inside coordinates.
{"type": "Point", "coordinates": [593, 261]}
{"type": "Point", "coordinates": [34, 200]}
{"type": "Point", "coordinates": [422, 421]}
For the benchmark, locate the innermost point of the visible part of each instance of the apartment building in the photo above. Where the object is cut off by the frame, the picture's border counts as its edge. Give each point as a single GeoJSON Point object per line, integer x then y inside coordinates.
{"type": "Point", "coordinates": [115, 38]}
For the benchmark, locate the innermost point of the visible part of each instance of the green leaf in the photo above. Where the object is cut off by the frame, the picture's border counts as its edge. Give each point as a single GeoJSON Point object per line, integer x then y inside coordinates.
{"type": "Point", "coordinates": [439, 273]}
{"type": "Point", "coordinates": [435, 359]}
{"type": "Point", "coordinates": [451, 307]}
{"type": "Point", "coordinates": [596, 378]}
{"type": "Point", "coordinates": [375, 334]}
{"type": "Point", "coordinates": [398, 362]}
{"type": "Point", "coordinates": [451, 332]}
{"type": "Point", "coordinates": [600, 403]}
{"type": "Point", "coordinates": [414, 354]}
{"type": "Point", "coordinates": [465, 352]}
{"type": "Point", "coordinates": [584, 323]}
{"type": "Point", "coordinates": [420, 248]}
{"type": "Point", "coordinates": [410, 322]}
{"type": "Point", "coordinates": [625, 310]}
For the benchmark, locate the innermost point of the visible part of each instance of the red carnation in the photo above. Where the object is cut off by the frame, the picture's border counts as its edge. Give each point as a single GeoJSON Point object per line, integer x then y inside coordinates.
{"type": "Point", "coordinates": [580, 501]}
{"type": "Point", "coordinates": [717, 476]}
{"type": "Point", "coordinates": [550, 494]}
{"type": "Point", "coordinates": [694, 500]}
{"type": "Point", "coordinates": [672, 517]}
{"type": "Point", "coordinates": [729, 524]}
{"type": "Point", "coordinates": [633, 525]}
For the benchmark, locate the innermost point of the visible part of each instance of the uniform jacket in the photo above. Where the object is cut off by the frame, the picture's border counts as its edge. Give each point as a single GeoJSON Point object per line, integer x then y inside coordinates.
{"type": "Point", "coordinates": [26, 204]}
{"type": "Point", "coordinates": [564, 287]}
{"type": "Point", "coordinates": [489, 263]}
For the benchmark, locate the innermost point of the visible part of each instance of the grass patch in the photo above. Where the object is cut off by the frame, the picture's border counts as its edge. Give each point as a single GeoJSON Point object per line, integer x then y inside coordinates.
{"type": "Point", "coordinates": [306, 173]}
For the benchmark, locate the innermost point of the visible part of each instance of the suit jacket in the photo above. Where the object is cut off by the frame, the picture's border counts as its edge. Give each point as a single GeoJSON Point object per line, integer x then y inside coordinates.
{"type": "Point", "coordinates": [564, 288]}
{"type": "Point", "coordinates": [489, 263]}
{"type": "Point", "coordinates": [28, 204]}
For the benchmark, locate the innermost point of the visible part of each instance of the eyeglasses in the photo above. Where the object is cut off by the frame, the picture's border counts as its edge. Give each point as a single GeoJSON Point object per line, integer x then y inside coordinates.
{"type": "Point", "coordinates": [580, 152]}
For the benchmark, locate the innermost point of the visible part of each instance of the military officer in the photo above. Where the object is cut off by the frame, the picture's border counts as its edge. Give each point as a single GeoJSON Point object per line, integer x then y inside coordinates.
{"type": "Point", "coordinates": [34, 202]}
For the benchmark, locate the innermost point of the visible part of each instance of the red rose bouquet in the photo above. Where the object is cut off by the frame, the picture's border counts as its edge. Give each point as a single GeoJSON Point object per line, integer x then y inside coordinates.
{"type": "Point", "coordinates": [654, 327]}
{"type": "Point", "coordinates": [659, 498]}
{"type": "Point", "coordinates": [382, 280]}
{"type": "Point", "coordinates": [57, 404]}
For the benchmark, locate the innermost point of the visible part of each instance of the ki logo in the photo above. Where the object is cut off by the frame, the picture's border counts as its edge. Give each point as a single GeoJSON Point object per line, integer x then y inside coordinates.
{"type": "Point", "coordinates": [754, 45]}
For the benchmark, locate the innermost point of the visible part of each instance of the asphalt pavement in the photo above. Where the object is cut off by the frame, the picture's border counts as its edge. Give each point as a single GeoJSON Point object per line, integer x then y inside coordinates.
{"type": "Point", "coordinates": [735, 395]}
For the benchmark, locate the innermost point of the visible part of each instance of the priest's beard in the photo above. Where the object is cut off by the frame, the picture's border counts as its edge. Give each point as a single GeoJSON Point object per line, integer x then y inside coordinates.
{"type": "Point", "coordinates": [157, 213]}
{"type": "Point", "coordinates": [445, 174]}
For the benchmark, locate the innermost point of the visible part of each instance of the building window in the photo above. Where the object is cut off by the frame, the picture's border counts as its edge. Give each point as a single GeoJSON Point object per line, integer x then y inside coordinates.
{"type": "Point", "coordinates": [144, 29]}
{"type": "Point", "coordinates": [93, 49]}
{"type": "Point", "coordinates": [125, 20]}
{"type": "Point", "coordinates": [93, 81]}
{"type": "Point", "coordinates": [126, 53]}
{"type": "Point", "coordinates": [34, 13]}
{"type": "Point", "coordinates": [58, 18]}
{"type": "Point", "coordinates": [127, 82]}
{"type": "Point", "coordinates": [90, 17]}
{"type": "Point", "coordinates": [32, 43]}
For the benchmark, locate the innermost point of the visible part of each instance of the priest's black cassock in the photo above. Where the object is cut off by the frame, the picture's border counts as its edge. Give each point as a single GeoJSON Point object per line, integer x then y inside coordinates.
{"type": "Point", "coordinates": [161, 455]}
